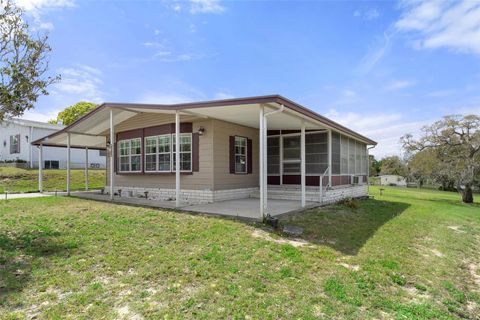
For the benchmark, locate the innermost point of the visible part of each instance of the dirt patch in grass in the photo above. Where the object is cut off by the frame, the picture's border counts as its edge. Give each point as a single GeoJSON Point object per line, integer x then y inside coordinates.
{"type": "Point", "coordinates": [258, 233]}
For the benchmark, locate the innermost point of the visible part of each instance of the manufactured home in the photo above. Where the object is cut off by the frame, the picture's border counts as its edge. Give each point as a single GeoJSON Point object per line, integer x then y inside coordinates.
{"type": "Point", "coordinates": [266, 147]}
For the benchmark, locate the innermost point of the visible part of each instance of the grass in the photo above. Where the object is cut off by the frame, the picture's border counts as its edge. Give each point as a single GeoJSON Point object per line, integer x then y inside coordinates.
{"type": "Point", "coordinates": [403, 255]}
{"type": "Point", "coordinates": [26, 180]}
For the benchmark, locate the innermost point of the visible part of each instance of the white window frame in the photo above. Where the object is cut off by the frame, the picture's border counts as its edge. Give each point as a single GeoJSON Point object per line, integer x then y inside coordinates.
{"type": "Point", "coordinates": [241, 155]}
{"type": "Point", "coordinates": [129, 155]}
{"type": "Point", "coordinates": [15, 142]}
{"type": "Point", "coordinates": [173, 152]}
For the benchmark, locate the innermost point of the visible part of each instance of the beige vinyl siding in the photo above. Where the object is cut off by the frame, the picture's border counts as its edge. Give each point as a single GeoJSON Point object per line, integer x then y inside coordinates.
{"type": "Point", "coordinates": [222, 178]}
{"type": "Point", "coordinates": [201, 180]}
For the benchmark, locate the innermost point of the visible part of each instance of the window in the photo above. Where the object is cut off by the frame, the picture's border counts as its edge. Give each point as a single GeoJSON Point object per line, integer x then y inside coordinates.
{"type": "Point", "coordinates": [344, 155]}
{"type": "Point", "coordinates": [185, 152]}
{"type": "Point", "coordinates": [130, 155]}
{"type": "Point", "coordinates": [160, 153]}
{"type": "Point", "coordinates": [51, 164]}
{"type": "Point", "coordinates": [15, 144]}
{"type": "Point", "coordinates": [240, 155]}
{"type": "Point", "coordinates": [102, 153]}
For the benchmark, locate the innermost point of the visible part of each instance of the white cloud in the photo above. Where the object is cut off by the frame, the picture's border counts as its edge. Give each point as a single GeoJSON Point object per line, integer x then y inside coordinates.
{"type": "Point", "coordinates": [37, 8]}
{"type": "Point", "coordinates": [37, 115]}
{"type": "Point", "coordinates": [398, 85]}
{"type": "Point", "coordinates": [385, 128]}
{"type": "Point", "coordinates": [449, 24]}
{"type": "Point", "coordinates": [377, 52]}
{"type": "Point", "coordinates": [223, 95]}
{"type": "Point", "coordinates": [165, 98]}
{"type": "Point", "coordinates": [206, 6]}
{"type": "Point", "coordinates": [369, 14]}
{"type": "Point", "coordinates": [82, 82]}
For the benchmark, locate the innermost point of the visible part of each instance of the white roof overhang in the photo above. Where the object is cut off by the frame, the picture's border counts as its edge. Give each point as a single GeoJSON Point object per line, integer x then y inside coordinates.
{"type": "Point", "coordinates": [89, 131]}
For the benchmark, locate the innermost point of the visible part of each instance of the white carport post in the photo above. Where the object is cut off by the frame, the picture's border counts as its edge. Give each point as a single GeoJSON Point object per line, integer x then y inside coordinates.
{"type": "Point", "coordinates": [40, 168]}
{"type": "Point", "coordinates": [177, 158]}
{"type": "Point", "coordinates": [329, 157]}
{"type": "Point", "coordinates": [302, 162]}
{"type": "Point", "coordinates": [68, 163]}
{"type": "Point", "coordinates": [261, 162]}
{"type": "Point", "coordinates": [86, 168]}
{"type": "Point", "coordinates": [112, 154]}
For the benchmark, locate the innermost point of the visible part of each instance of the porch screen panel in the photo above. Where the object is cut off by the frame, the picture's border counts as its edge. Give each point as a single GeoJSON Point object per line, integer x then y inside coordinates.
{"type": "Point", "coordinates": [358, 158]}
{"type": "Point", "coordinates": [316, 153]}
{"type": "Point", "coordinates": [364, 159]}
{"type": "Point", "coordinates": [335, 153]}
{"type": "Point", "coordinates": [351, 156]}
{"type": "Point", "coordinates": [273, 155]}
{"type": "Point", "coordinates": [291, 155]}
{"type": "Point", "coordinates": [344, 155]}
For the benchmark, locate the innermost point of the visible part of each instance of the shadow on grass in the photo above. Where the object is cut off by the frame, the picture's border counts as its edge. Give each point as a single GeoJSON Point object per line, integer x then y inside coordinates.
{"type": "Point", "coordinates": [343, 228]}
{"type": "Point", "coordinates": [21, 252]}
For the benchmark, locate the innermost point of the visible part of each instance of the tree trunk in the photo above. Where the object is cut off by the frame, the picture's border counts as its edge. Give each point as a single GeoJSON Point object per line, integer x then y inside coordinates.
{"type": "Point", "coordinates": [467, 194]}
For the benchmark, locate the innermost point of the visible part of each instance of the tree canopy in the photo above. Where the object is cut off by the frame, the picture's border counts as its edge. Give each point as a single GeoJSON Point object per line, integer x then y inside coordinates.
{"type": "Point", "coordinates": [23, 63]}
{"type": "Point", "coordinates": [72, 113]}
{"type": "Point", "coordinates": [393, 165]}
{"type": "Point", "coordinates": [455, 141]}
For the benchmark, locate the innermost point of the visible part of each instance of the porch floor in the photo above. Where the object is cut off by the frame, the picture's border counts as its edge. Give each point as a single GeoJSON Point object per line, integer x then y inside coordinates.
{"type": "Point", "coordinates": [242, 208]}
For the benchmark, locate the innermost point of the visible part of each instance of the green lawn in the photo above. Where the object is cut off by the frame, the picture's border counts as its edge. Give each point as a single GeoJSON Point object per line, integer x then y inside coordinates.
{"type": "Point", "coordinates": [26, 180]}
{"type": "Point", "coordinates": [408, 254]}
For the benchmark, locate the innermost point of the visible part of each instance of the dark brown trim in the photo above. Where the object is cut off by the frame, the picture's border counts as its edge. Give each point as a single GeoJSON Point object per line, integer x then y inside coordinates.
{"type": "Point", "coordinates": [195, 152]}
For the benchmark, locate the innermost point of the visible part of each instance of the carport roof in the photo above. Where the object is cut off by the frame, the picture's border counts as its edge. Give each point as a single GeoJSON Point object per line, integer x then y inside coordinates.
{"type": "Point", "coordinates": [86, 131]}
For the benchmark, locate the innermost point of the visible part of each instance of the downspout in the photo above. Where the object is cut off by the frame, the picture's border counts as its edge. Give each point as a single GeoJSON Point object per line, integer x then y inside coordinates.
{"type": "Point", "coordinates": [265, 154]}
{"type": "Point", "coordinates": [368, 168]}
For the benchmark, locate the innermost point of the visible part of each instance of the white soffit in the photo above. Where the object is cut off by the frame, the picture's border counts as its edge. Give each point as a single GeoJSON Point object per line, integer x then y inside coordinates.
{"type": "Point", "coordinates": [248, 115]}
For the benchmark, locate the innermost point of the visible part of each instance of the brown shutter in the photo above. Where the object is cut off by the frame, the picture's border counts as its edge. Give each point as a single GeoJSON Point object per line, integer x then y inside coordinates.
{"type": "Point", "coordinates": [11, 144]}
{"type": "Point", "coordinates": [195, 152]}
{"type": "Point", "coordinates": [232, 154]}
{"type": "Point", "coordinates": [249, 156]}
{"type": "Point", "coordinates": [18, 144]}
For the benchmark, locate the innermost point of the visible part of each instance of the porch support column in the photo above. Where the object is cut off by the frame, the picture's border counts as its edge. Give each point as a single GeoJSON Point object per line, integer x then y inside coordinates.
{"type": "Point", "coordinates": [330, 157]}
{"type": "Point", "coordinates": [86, 168]}
{"type": "Point", "coordinates": [30, 148]}
{"type": "Point", "coordinates": [265, 163]}
{"type": "Point", "coordinates": [177, 158]}
{"type": "Point", "coordinates": [40, 168]}
{"type": "Point", "coordinates": [112, 155]}
{"type": "Point", "coordinates": [68, 163]}
{"type": "Point", "coordinates": [302, 162]}
{"type": "Point", "coordinates": [261, 163]}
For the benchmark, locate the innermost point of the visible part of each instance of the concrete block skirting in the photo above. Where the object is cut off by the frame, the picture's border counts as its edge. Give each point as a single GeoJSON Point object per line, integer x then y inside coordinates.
{"type": "Point", "coordinates": [186, 196]}
{"type": "Point", "coordinates": [274, 192]}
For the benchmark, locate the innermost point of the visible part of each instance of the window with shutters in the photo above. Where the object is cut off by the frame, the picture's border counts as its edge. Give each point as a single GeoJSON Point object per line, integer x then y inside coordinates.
{"type": "Point", "coordinates": [240, 155]}
{"type": "Point", "coordinates": [130, 153]}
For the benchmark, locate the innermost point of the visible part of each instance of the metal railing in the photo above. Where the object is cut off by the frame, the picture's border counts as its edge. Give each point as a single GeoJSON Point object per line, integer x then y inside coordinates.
{"type": "Point", "coordinates": [321, 185]}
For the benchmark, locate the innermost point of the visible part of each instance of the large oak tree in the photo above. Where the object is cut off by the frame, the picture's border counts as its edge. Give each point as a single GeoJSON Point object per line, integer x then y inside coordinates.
{"type": "Point", "coordinates": [456, 141]}
{"type": "Point", "coordinates": [23, 63]}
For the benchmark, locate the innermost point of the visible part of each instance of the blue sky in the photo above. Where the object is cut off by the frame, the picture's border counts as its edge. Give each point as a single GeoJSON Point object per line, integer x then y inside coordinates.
{"type": "Point", "coordinates": [382, 68]}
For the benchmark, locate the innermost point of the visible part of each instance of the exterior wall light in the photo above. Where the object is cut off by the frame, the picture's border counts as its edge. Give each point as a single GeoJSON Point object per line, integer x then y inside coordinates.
{"type": "Point", "coordinates": [201, 131]}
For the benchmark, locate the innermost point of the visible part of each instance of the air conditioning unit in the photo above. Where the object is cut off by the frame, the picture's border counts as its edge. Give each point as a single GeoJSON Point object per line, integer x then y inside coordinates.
{"type": "Point", "coordinates": [355, 179]}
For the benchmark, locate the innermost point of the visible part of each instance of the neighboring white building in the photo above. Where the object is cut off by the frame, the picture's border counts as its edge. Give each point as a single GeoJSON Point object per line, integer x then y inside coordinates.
{"type": "Point", "coordinates": [17, 134]}
{"type": "Point", "coordinates": [393, 180]}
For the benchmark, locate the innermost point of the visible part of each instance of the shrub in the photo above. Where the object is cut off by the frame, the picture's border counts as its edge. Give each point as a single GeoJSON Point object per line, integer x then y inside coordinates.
{"type": "Point", "coordinates": [351, 203]}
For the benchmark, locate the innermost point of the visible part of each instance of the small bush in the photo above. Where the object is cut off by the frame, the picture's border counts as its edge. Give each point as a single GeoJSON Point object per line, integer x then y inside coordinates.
{"type": "Point", "coordinates": [350, 203]}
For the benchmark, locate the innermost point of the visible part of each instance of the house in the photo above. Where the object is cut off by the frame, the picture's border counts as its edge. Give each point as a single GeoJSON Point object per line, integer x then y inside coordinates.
{"type": "Point", "coordinates": [16, 136]}
{"type": "Point", "coordinates": [228, 149]}
{"type": "Point", "coordinates": [392, 180]}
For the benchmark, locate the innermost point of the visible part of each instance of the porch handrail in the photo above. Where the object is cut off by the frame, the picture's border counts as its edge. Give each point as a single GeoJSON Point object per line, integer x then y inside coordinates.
{"type": "Point", "coordinates": [321, 184]}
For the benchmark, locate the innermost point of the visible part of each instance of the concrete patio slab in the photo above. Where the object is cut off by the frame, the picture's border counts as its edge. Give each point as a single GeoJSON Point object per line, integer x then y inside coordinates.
{"type": "Point", "coordinates": [9, 196]}
{"type": "Point", "coordinates": [240, 208]}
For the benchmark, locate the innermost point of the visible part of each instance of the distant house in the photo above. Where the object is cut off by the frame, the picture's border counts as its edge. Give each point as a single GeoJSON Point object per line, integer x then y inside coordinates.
{"type": "Point", "coordinates": [16, 136]}
{"type": "Point", "coordinates": [229, 149]}
{"type": "Point", "coordinates": [393, 180]}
